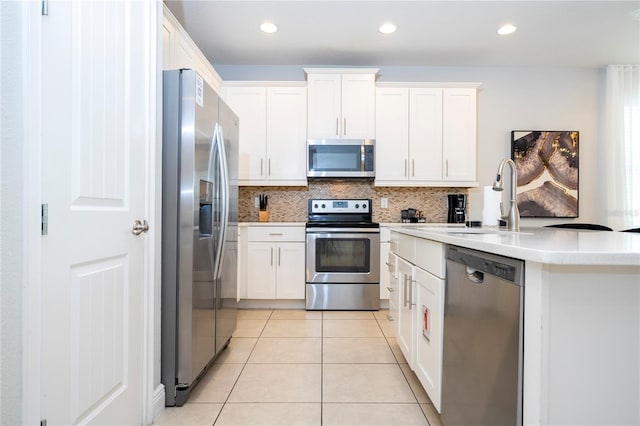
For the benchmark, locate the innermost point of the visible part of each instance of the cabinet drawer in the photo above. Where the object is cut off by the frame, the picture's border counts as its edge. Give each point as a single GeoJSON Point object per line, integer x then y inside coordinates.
{"type": "Point", "coordinates": [275, 233]}
{"type": "Point", "coordinates": [429, 255]}
{"type": "Point", "coordinates": [407, 247]}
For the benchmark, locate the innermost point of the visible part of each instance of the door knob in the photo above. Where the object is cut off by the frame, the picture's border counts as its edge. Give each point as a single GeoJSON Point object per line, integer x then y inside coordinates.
{"type": "Point", "coordinates": [139, 227]}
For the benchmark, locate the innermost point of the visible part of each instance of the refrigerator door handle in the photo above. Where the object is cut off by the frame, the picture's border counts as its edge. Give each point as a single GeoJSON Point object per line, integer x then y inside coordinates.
{"type": "Point", "coordinates": [225, 201]}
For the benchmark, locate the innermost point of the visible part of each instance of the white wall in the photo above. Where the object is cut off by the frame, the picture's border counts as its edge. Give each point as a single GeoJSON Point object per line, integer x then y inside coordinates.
{"type": "Point", "coordinates": [11, 237]}
{"type": "Point", "coordinates": [509, 99]}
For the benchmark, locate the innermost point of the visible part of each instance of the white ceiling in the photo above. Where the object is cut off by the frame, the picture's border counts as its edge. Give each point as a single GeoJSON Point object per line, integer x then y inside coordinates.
{"type": "Point", "coordinates": [430, 33]}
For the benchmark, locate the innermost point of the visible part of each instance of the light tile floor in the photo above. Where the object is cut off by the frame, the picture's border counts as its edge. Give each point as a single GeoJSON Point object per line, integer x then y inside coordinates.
{"type": "Point", "coordinates": [295, 367]}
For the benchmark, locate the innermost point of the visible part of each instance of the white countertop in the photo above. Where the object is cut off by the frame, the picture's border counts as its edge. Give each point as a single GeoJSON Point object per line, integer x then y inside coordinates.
{"type": "Point", "coordinates": [243, 224]}
{"type": "Point", "coordinates": [544, 245]}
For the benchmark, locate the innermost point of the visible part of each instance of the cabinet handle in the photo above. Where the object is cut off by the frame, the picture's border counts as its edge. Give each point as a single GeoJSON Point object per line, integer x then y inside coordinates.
{"type": "Point", "coordinates": [404, 287]}
{"type": "Point", "coordinates": [411, 293]}
{"type": "Point", "coordinates": [391, 290]}
{"type": "Point", "coordinates": [269, 166]}
{"type": "Point", "coordinates": [446, 168]}
{"type": "Point", "coordinates": [271, 256]}
{"type": "Point", "coordinates": [344, 128]}
{"type": "Point", "coordinates": [337, 124]}
{"type": "Point", "coordinates": [279, 255]}
{"type": "Point", "coordinates": [275, 233]}
{"type": "Point", "coordinates": [405, 167]}
{"type": "Point", "coordinates": [261, 160]}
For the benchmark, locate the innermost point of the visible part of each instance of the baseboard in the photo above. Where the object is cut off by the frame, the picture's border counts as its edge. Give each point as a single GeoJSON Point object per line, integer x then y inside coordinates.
{"type": "Point", "coordinates": [285, 304]}
{"type": "Point", "coordinates": [158, 401]}
{"type": "Point", "coordinates": [271, 304]}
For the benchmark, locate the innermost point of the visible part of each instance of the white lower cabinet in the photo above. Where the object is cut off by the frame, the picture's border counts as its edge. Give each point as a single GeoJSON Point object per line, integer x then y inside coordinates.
{"type": "Point", "coordinates": [385, 245]}
{"type": "Point", "coordinates": [406, 318]}
{"type": "Point", "coordinates": [392, 288]}
{"type": "Point", "coordinates": [275, 259]}
{"type": "Point", "coordinates": [429, 320]}
{"type": "Point", "coordinates": [420, 271]}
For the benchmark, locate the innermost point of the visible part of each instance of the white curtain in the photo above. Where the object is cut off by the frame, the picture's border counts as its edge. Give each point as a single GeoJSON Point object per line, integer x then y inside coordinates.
{"type": "Point", "coordinates": [622, 167]}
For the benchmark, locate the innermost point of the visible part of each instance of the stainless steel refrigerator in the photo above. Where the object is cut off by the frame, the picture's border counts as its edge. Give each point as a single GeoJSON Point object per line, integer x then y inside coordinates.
{"type": "Point", "coordinates": [199, 230]}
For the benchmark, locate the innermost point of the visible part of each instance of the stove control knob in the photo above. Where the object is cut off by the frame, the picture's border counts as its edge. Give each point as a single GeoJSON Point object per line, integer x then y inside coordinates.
{"type": "Point", "coordinates": [357, 206]}
{"type": "Point", "coordinates": [323, 206]}
{"type": "Point", "coordinates": [315, 206]}
{"type": "Point", "coordinates": [364, 206]}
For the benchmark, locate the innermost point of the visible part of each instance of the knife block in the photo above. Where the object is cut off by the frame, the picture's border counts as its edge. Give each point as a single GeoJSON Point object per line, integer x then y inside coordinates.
{"type": "Point", "coordinates": [263, 215]}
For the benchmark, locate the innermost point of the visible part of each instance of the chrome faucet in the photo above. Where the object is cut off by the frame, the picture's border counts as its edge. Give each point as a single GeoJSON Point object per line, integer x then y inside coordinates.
{"type": "Point", "coordinates": [513, 218]}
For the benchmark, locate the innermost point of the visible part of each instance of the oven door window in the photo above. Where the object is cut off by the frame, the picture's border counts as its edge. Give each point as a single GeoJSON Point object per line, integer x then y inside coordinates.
{"type": "Point", "coordinates": [343, 255]}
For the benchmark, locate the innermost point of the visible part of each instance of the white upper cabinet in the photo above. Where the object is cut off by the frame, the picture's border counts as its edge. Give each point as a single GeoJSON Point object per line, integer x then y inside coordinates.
{"type": "Point", "coordinates": [250, 105]}
{"type": "Point", "coordinates": [425, 136]}
{"type": "Point", "coordinates": [179, 51]}
{"type": "Point", "coordinates": [286, 134]}
{"type": "Point", "coordinates": [272, 133]}
{"type": "Point", "coordinates": [392, 133]}
{"type": "Point", "coordinates": [341, 103]}
{"type": "Point", "coordinates": [459, 134]}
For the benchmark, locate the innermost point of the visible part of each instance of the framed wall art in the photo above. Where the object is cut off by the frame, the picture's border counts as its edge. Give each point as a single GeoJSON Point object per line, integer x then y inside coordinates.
{"type": "Point", "coordinates": [547, 165]}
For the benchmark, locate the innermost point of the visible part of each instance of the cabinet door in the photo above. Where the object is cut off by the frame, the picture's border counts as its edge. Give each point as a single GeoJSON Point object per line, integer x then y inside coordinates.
{"type": "Point", "coordinates": [459, 134]}
{"type": "Point", "coordinates": [182, 55]}
{"type": "Point", "coordinates": [290, 277]}
{"type": "Point", "coordinates": [425, 134]}
{"type": "Point", "coordinates": [392, 133]}
{"type": "Point", "coordinates": [358, 106]}
{"type": "Point", "coordinates": [286, 133]}
{"type": "Point", "coordinates": [406, 321]}
{"type": "Point", "coordinates": [384, 270]}
{"type": "Point", "coordinates": [429, 320]}
{"type": "Point", "coordinates": [249, 104]}
{"type": "Point", "coordinates": [323, 111]}
{"type": "Point", "coordinates": [167, 34]}
{"type": "Point", "coordinates": [392, 273]}
{"type": "Point", "coordinates": [261, 277]}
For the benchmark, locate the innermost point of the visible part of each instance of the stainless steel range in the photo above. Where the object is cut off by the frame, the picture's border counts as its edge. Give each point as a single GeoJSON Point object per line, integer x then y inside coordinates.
{"type": "Point", "coordinates": [343, 256]}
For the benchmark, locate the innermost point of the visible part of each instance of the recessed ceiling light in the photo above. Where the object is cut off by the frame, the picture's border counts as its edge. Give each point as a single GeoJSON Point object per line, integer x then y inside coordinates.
{"type": "Point", "coordinates": [506, 29]}
{"type": "Point", "coordinates": [387, 28]}
{"type": "Point", "coordinates": [269, 27]}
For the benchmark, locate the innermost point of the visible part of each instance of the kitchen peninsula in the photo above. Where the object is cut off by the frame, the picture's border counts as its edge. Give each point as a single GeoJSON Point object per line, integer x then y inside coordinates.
{"type": "Point", "coordinates": [581, 317]}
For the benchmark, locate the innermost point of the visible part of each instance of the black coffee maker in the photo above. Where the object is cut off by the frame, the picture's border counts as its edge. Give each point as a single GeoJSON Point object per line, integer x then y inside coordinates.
{"type": "Point", "coordinates": [457, 207]}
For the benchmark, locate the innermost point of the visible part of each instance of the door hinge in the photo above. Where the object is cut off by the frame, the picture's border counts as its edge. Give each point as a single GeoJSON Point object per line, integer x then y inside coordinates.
{"type": "Point", "coordinates": [43, 422]}
{"type": "Point", "coordinates": [45, 7]}
{"type": "Point", "coordinates": [44, 219]}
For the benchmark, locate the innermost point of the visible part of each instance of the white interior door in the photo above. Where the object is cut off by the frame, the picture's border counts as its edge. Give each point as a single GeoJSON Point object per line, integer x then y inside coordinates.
{"type": "Point", "coordinates": [95, 91]}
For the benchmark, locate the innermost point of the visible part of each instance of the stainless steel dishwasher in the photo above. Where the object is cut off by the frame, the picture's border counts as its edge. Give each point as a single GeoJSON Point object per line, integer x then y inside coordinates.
{"type": "Point", "coordinates": [482, 342]}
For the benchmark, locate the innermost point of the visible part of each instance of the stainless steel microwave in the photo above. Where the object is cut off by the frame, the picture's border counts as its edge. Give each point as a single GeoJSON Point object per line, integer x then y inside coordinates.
{"type": "Point", "coordinates": [341, 158]}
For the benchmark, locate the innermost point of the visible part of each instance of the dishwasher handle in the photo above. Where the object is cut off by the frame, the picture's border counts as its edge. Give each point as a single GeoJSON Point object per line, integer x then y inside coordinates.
{"type": "Point", "coordinates": [474, 275]}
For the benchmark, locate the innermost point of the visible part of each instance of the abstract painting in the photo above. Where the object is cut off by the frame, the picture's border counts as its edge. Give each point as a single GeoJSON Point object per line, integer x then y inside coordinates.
{"type": "Point", "coordinates": [547, 165]}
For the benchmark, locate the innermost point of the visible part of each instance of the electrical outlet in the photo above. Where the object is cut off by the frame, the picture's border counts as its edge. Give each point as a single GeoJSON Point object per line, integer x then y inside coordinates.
{"type": "Point", "coordinates": [384, 203]}
{"type": "Point", "coordinates": [256, 203]}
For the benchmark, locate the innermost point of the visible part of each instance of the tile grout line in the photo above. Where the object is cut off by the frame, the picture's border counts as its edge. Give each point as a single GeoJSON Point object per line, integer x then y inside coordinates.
{"type": "Point", "coordinates": [244, 365]}
{"type": "Point", "coordinates": [405, 378]}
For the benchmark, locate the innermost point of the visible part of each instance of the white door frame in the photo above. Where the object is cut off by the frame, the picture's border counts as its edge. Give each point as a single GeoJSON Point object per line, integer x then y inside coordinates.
{"type": "Point", "coordinates": [32, 259]}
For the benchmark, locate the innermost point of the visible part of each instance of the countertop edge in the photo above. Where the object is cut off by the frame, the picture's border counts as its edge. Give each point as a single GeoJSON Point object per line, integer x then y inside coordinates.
{"type": "Point", "coordinates": [511, 246]}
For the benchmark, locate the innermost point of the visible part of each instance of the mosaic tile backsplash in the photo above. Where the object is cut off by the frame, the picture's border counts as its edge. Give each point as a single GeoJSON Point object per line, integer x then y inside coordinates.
{"type": "Point", "coordinates": [289, 204]}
